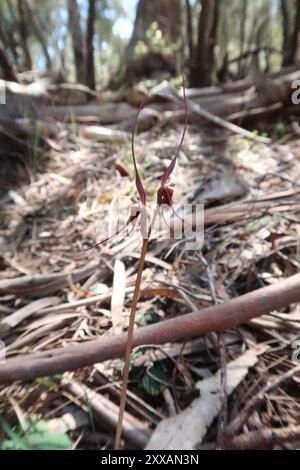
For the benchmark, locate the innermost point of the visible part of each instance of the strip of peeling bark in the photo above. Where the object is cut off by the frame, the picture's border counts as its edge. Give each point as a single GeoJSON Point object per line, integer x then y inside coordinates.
{"type": "Point", "coordinates": [217, 318]}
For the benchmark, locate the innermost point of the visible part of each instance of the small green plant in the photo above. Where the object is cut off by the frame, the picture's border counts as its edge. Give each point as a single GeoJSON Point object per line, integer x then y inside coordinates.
{"type": "Point", "coordinates": [128, 160]}
{"type": "Point", "coordinates": [151, 378]}
{"type": "Point", "coordinates": [147, 318]}
{"type": "Point", "coordinates": [155, 42]}
{"type": "Point", "coordinates": [256, 132]}
{"type": "Point", "coordinates": [74, 125]}
{"type": "Point", "coordinates": [280, 129]}
{"type": "Point", "coordinates": [35, 436]}
{"type": "Point", "coordinates": [155, 380]}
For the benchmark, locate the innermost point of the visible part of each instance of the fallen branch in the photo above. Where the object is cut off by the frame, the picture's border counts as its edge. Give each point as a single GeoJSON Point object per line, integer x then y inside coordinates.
{"type": "Point", "coordinates": [105, 411]}
{"type": "Point", "coordinates": [43, 284]}
{"type": "Point", "coordinates": [166, 91]}
{"type": "Point", "coordinates": [11, 321]}
{"type": "Point", "coordinates": [273, 203]}
{"type": "Point", "coordinates": [266, 438]}
{"type": "Point", "coordinates": [217, 318]}
{"type": "Point", "coordinates": [242, 100]}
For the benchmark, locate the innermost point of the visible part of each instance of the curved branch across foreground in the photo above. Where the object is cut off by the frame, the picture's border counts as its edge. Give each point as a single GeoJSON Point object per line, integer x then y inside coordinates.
{"type": "Point", "coordinates": [217, 318]}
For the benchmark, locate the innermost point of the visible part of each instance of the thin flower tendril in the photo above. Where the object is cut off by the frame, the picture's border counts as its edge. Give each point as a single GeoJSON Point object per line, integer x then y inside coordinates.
{"type": "Point", "coordinates": [182, 220]}
{"type": "Point", "coordinates": [133, 217]}
{"type": "Point", "coordinates": [138, 181]}
{"type": "Point", "coordinates": [167, 194]}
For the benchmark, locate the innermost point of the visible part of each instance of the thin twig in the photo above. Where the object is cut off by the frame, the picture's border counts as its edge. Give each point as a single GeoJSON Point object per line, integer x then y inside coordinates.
{"type": "Point", "coordinates": [222, 421]}
{"type": "Point", "coordinates": [256, 401]}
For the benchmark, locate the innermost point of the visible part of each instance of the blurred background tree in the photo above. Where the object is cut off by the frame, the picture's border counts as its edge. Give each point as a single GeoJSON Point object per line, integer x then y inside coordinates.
{"type": "Point", "coordinates": [94, 41]}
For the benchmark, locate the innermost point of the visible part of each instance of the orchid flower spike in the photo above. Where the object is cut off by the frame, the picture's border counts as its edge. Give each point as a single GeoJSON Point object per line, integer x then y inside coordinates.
{"type": "Point", "coordinates": [165, 193]}
{"type": "Point", "coordinates": [138, 182]}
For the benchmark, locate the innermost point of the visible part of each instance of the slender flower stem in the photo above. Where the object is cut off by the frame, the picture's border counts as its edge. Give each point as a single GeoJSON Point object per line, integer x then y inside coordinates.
{"type": "Point", "coordinates": [164, 196]}
{"type": "Point", "coordinates": [135, 299]}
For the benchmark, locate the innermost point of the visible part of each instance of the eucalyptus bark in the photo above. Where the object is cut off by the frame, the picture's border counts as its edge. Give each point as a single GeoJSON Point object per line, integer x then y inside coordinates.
{"type": "Point", "coordinates": [285, 30]}
{"type": "Point", "coordinates": [290, 32]}
{"type": "Point", "coordinates": [203, 61]}
{"type": "Point", "coordinates": [24, 35]}
{"type": "Point", "coordinates": [90, 63]}
{"type": "Point", "coordinates": [167, 14]}
{"type": "Point", "coordinates": [77, 42]}
{"type": "Point", "coordinates": [189, 30]}
{"type": "Point", "coordinates": [8, 40]}
{"type": "Point", "coordinates": [294, 36]}
{"type": "Point", "coordinates": [7, 69]}
{"type": "Point", "coordinates": [38, 31]}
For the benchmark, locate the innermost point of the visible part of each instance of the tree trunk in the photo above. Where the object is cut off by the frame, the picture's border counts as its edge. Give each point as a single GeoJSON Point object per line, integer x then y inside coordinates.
{"type": "Point", "coordinates": [90, 64]}
{"type": "Point", "coordinates": [38, 31]}
{"type": "Point", "coordinates": [203, 61]}
{"type": "Point", "coordinates": [11, 40]}
{"type": "Point", "coordinates": [75, 31]}
{"type": "Point", "coordinates": [215, 25]}
{"type": "Point", "coordinates": [8, 40]}
{"type": "Point", "coordinates": [242, 35]}
{"type": "Point", "coordinates": [285, 31]}
{"type": "Point", "coordinates": [167, 14]}
{"type": "Point", "coordinates": [8, 71]}
{"type": "Point", "coordinates": [24, 35]}
{"type": "Point", "coordinates": [189, 30]}
{"type": "Point", "coordinates": [291, 59]}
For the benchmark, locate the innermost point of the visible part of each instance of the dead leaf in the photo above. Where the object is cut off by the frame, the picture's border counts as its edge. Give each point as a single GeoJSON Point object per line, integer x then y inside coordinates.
{"type": "Point", "coordinates": [187, 429]}
{"type": "Point", "coordinates": [17, 317]}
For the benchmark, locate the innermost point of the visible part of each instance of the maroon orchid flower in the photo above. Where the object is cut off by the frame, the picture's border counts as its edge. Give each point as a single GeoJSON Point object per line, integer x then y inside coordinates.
{"type": "Point", "coordinates": [165, 193]}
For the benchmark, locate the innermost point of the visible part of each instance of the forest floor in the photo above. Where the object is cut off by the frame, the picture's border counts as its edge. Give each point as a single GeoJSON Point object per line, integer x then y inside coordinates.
{"type": "Point", "coordinates": [46, 226]}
